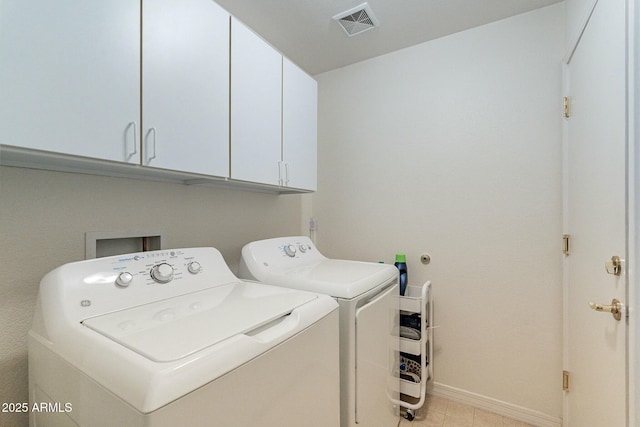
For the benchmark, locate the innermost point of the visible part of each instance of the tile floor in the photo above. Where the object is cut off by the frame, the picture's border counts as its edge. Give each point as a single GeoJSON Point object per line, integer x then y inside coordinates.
{"type": "Point", "coordinates": [440, 412]}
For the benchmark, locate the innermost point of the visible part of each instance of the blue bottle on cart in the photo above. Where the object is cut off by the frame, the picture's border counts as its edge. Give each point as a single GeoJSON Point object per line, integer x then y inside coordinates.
{"type": "Point", "coordinates": [401, 265]}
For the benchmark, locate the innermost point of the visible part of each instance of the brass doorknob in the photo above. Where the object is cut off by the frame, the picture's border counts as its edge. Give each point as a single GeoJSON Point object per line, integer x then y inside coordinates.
{"type": "Point", "coordinates": [614, 265]}
{"type": "Point", "coordinates": [615, 308]}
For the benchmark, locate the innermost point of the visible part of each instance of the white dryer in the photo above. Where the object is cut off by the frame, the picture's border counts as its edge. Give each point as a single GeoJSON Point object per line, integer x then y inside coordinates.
{"type": "Point", "coordinates": [367, 294]}
{"type": "Point", "coordinates": [172, 337]}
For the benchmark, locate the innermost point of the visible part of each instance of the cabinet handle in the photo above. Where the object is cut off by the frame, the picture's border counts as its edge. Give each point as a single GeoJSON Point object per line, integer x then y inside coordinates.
{"type": "Point", "coordinates": [279, 173]}
{"type": "Point", "coordinates": [154, 144]}
{"type": "Point", "coordinates": [135, 140]}
{"type": "Point", "coordinates": [286, 174]}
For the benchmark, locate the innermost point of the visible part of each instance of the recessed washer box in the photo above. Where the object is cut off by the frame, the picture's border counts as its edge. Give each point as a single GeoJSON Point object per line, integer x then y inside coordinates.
{"type": "Point", "coordinates": [100, 244]}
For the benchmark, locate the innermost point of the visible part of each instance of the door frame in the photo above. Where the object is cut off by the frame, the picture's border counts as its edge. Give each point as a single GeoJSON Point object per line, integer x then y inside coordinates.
{"type": "Point", "coordinates": [632, 208]}
{"type": "Point", "coordinates": [633, 205]}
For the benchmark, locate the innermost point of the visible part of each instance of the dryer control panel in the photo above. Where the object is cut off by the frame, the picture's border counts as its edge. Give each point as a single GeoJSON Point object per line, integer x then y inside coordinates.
{"type": "Point", "coordinates": [278, 254]}
{"type": "Point", "coordinates": [298, 248]}
{"type": "Point", "coordinates": [287, 247]}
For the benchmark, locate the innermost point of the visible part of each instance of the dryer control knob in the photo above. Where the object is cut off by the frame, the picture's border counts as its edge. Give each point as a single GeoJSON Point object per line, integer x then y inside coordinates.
{"type": "Point", "coordinates": [124, 279]}
{"type": "Point", "coordinates": [194, 267]}
{"type": "Point", "coordinates": [290, 250]}
{"type": "Point", "coordinates": [162, 273]}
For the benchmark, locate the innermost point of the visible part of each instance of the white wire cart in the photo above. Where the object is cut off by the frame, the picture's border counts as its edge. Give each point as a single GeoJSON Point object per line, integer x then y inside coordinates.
{"type": "Point", "coordinates": [416, 347]}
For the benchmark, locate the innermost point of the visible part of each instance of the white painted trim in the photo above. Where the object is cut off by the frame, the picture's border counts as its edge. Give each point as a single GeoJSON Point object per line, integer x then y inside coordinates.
{"type": "Point", "coordinates": [566, 91]}
{"type": "Point", "coordinates": [633, 207]}
{"type": "Point", "coordinates": [499, 407]}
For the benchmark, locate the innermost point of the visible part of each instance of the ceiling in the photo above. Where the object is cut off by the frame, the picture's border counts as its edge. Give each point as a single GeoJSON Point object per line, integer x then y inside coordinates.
{"type": "Point", "coordinates": [304, 31]}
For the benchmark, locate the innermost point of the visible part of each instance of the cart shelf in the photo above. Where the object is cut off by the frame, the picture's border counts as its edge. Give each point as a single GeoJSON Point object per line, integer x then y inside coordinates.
{"type": "Point", "coordinates": [415, 355]}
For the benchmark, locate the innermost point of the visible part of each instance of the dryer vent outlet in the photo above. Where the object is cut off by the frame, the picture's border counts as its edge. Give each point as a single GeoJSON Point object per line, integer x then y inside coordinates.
{"type": "Point", "coordinates": [357, 20]}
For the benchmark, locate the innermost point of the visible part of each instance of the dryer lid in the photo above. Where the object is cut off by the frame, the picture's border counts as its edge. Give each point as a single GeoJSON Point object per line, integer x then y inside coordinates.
{"type": "Point", "coordinates": [296, 263]}
{"type": "Point", "coordinates": [177, 327]}
{"type": "Point", "coordinates": [337, 278]}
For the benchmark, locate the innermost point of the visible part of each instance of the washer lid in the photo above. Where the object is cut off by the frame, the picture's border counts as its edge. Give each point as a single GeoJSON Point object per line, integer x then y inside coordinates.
{"type": "Point", "coordinates": [169, 330]}
{"type": "Point", "coordinates": [334, 277]}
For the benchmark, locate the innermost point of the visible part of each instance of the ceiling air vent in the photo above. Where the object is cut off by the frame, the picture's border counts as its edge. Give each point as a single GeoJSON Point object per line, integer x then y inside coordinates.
{"type": "Point", "coordinates": [357, 20]}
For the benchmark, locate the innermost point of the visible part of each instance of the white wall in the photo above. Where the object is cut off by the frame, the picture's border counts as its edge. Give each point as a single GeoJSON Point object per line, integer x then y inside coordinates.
{"type": "Point", "coordinates": [454, 147]}
{"type": "Point", "coordinates": [43, 218]}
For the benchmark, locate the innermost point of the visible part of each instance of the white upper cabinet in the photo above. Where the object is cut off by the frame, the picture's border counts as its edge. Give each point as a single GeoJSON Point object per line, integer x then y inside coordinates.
{"type": "Point", "coordinates": [70, 77]}
{"type": "Point", "coordinates": [256, 103]}
{"type": "Point", "coordinates": [273, 115]}
{"type": "Point", "coordinates": [185, 86]}
{"type": "Point", "coordinates": [178, 87]}
{"type": "Point", "coordinates": [299, 127]}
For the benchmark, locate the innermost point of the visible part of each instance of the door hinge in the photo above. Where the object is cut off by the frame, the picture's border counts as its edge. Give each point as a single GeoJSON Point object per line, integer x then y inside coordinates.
{"type": "Point", "coordinates": [565, 380]}
{"type": "Point", "coordinates": [566, 244]}
{"type": "Point", "coordinates": [566, 106]}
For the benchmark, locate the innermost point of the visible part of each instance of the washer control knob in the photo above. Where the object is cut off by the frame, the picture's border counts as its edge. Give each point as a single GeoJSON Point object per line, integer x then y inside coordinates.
{"type": "Point", "coordinates": [124, 279]}
{"type": "Point", "coordinates": [194, 267]}
{"type": "Point", "coordinates": [302, 248]}
{"type": "Point", "coordinates": [290, 250]}
{"type": "Point", "coordinates": [162, 273]}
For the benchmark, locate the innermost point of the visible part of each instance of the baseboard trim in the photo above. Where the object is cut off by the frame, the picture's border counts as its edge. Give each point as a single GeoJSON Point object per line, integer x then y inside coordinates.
{"type": "Point", "coordinates": [499, 407]}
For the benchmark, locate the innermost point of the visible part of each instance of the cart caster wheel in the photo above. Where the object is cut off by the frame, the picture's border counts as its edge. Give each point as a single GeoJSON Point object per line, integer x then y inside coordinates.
{"type": "Point", "coordinates": [409, 415]}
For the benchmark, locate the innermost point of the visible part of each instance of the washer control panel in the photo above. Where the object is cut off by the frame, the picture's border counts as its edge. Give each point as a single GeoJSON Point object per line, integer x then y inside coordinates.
{"type": "Point", "coordinates": [96, 286]}
{"type": "Point", "coordinates": [155, 267]}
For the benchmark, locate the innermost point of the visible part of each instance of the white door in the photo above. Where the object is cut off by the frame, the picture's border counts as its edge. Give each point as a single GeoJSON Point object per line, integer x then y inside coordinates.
{"type": "Point", "coordinates": [595, 345]}
{"type": "Point", "coordinates": [185, 86]}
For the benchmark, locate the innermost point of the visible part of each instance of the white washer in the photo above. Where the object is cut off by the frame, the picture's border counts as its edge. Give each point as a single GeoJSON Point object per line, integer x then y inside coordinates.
{"type": "Point", "coordinates": [172, 337]}
{"type": "Point", "coordinates": [367, 294]}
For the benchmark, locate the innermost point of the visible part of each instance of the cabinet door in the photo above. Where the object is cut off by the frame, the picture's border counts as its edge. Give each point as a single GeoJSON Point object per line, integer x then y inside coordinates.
{"type": "Point", "coordinates": [70, 77]}
{"type": "Point", "coordinates": [299, 127]}
{"type": "Point", "coordinates": [185, 86]}
{"type": "Point", "coordinates": [256, 95]}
